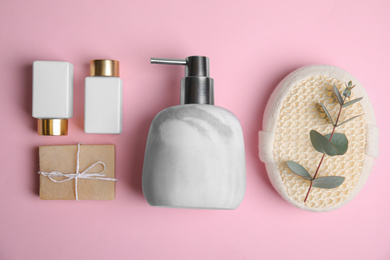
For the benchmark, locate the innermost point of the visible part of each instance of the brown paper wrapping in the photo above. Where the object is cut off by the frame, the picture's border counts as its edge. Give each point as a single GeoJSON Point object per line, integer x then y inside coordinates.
{"type": "Point", "coordinates": [63, 158]}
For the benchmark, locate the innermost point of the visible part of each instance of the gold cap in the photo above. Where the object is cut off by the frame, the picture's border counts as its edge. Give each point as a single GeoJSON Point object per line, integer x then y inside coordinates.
{"type": "Point", "coordinates": [108, 68]}
{"type": "Point", "coordinates": [53, 126]}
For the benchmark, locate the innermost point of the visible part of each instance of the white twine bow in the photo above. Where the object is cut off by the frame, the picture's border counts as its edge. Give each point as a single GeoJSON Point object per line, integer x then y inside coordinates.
{"type": "Point", "coordinates": [78, 174]}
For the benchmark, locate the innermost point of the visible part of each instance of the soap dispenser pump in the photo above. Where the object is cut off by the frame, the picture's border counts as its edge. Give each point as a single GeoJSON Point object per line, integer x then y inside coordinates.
{"type": "Point", "coordinates": [195, 155]}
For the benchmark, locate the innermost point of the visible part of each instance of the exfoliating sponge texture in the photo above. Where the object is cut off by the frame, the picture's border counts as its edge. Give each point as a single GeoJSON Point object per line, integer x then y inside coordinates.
{"type": "Point", "coordinates": [300, 113]}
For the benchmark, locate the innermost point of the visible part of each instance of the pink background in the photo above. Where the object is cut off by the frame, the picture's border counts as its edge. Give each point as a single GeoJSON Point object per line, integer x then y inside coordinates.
{"type": "Point", "coordinates": [252, 46]}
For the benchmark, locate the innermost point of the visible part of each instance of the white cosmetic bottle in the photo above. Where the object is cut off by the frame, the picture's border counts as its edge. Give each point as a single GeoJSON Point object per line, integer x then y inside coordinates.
{"type": "Point", "coordinates": [52, 96]}
{"type": "Point", "coordinates": [103, 98]}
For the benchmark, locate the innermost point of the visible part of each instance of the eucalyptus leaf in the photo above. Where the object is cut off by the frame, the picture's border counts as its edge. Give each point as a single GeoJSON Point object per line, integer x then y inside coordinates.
{"type": "Point", "coordinates": [347, 93]}
{"type": "Point", "coordinates": [322, 144]}
{"type": "Point", "coordinates": [352, 102]}
{"type": "Point", "coordinates": [340, 141]}
{"type": "Point", "coordinates": [328, 182]}
{"type": "Point", "coordinates": [298, 169]}
{"type": "Point", "coordinates": [350, 119]}
{"type": "Point", "coordinates": [350, 84]}
{"type": "Point", "coordinates": [339, 98]}
{"type": "Point", "coordinates": [327, 113]}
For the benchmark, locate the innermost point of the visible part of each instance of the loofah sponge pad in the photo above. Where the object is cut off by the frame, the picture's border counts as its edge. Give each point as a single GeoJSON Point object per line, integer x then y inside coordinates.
{"type": "Point", "coordinates": [292, 111]}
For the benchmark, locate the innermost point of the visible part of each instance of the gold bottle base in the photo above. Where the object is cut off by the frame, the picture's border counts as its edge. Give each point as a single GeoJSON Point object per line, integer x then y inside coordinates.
{"type": "Point", "coordinates": [53, 126]}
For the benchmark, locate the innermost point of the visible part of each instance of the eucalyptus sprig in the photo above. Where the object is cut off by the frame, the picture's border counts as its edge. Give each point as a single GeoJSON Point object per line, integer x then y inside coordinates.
{"type": "Point", "coordinates": [332, 144]}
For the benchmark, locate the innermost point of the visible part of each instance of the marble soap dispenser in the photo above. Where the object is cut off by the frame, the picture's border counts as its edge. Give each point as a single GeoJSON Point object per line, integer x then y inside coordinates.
{"type": "Point", "coordinates": [195, 155]}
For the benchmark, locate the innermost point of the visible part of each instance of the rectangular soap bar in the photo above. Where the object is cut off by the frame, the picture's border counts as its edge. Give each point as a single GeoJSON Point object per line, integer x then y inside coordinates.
{"type": "Point", "coordinates": [63, 158]}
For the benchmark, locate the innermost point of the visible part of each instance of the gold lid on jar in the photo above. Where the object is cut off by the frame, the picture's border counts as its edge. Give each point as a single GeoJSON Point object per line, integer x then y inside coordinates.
{"type": "Point", "coordinates": [107, 68]}
{"type": "Point", "coordinates": [53, 126]}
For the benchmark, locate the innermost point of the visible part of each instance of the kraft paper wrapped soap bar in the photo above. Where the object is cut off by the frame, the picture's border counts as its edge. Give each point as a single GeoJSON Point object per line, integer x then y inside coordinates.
{"type": "Point", "coordinates": [77, 172]}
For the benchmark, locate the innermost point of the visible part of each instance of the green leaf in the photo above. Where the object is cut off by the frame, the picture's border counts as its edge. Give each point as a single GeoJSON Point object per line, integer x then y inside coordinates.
{"type": "Point", "coordinates": [347, 93]}
{"type": "Point", "coordinates": [350, 119]}
{"type": "Point", "coordinates": [350, 84]}
{"type": "Point", "coordinates": [322, 144]}
{"type": "Point", "coordinates": [352, 102]}
{"type": "Point", "coordinates": [339, 98]}
{"type": "Point", "coordinates": [328, 182]}
{"type": "Point", "coordinates": [298, 169]}
{"type": "Point", "coordinates": [340, 141]}
{"type": "Point", "coordinates": [327, 113]}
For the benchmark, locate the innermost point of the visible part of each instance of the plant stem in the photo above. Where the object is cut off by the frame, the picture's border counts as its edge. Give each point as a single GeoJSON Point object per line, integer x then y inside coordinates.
{"type": "Point", "coordinates": [322, 158]}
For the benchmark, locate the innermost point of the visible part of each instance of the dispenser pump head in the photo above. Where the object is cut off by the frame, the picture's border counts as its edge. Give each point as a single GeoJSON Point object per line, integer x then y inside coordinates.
{"type": "Point", "coordinates": [196, 87]}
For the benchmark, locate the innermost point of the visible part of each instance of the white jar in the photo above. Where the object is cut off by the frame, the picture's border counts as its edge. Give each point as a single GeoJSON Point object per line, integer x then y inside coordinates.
{"type": "Point", "coordinates": [52, 96]}
{"type": "Point", "coordinates": [103, 98]}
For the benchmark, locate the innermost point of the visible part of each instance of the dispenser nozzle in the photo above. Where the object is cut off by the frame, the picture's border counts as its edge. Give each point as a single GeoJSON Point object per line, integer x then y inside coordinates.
{"type": "Point", "coordinates": [168, 61]}
{"type": "Point", "coordinates": [196, 87]}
